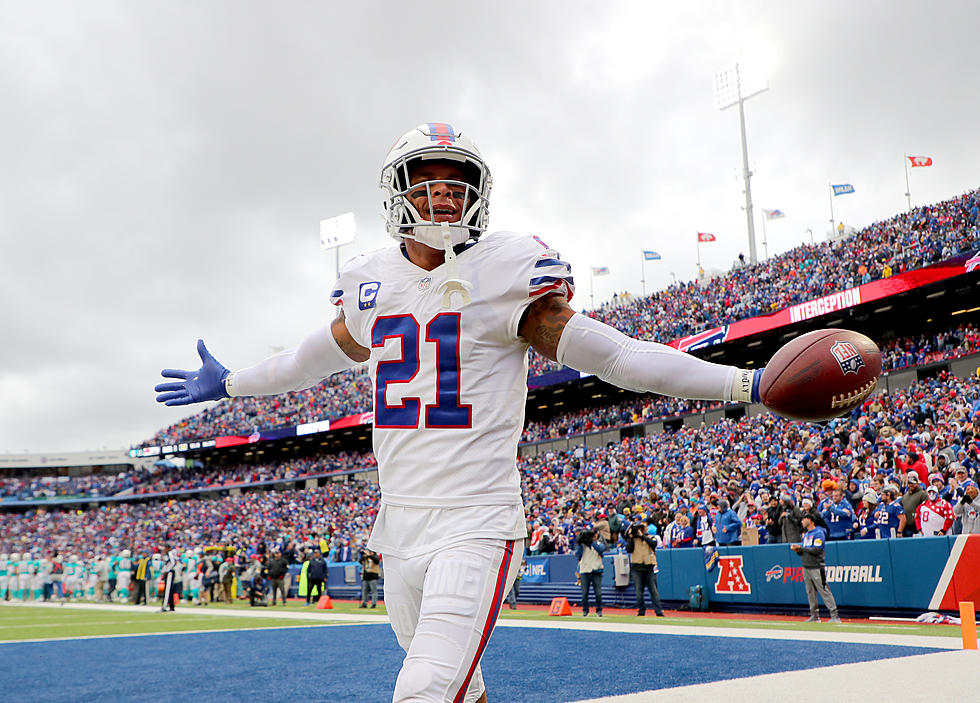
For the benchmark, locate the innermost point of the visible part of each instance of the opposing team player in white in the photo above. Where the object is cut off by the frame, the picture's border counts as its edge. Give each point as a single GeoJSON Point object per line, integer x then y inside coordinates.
{"type": "Point", "coordinates": [444, 321]}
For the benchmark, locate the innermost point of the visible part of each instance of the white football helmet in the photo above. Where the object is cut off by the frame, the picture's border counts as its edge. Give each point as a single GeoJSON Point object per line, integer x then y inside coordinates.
{"type": "Point", "coordinates": [14, 556]}
{"type": "Point", "coordinates": [434, 141]}
{"type": "Point", "coordinates": [3, 557]}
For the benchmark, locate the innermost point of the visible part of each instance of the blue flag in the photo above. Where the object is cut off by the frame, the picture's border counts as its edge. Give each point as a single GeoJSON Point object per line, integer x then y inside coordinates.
{"type": "Point", "coordinates": [650, 255]}
{"type": "Point", "coordinates": [843, 189]}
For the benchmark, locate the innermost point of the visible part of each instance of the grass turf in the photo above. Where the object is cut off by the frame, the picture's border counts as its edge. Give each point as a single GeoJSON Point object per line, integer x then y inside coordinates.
{"type": "Point", "coordinates": [29, 623]}
{"type": "Point", "coordinates": [23, 623]}
{"type": "Point", "coordinates": [797, 624]}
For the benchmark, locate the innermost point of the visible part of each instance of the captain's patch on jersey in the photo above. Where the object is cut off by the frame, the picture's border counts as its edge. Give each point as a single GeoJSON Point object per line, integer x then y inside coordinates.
{"type": "Point", "coordinates": [367, 294]}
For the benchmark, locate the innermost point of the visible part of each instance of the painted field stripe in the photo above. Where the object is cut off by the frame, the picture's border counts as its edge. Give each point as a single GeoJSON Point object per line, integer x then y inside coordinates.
{"type": "Point", "coordinates": [155, 634]}
{"type": "Point", "coordinates": [947, 575]}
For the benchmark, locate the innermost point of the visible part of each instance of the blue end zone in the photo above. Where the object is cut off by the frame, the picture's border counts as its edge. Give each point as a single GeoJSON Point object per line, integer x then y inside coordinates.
{"type": "Point", "coordinates": [360, 663]}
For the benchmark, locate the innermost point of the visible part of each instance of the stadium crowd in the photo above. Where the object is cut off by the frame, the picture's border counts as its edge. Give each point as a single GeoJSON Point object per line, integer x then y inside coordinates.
{"type": "Point", "coordinates": [907, 241]}
{"type": "Point", "coordinates": [867, 475]}
{"type": "Point", "coordinates": [890, 452]}
{"type": "Point", "coordinates": [164, 477]}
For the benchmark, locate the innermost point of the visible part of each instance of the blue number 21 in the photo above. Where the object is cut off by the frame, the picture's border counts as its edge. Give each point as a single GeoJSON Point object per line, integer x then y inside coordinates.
{"type": "Point", "coordinates": [443, 331]}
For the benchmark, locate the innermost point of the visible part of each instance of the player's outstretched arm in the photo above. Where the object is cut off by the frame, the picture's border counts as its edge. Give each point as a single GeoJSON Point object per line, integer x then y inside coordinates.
{"type": "Point", "coordinates": [325, 352]}
{"type": "Point", "coordinates": [578, 341]}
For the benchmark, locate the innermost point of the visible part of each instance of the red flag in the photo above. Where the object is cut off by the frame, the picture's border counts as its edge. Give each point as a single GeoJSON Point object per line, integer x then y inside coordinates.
{"type": "Point", "coordinates": [920, 160]}
{"type": "Point", "coordinates": [705, 237]}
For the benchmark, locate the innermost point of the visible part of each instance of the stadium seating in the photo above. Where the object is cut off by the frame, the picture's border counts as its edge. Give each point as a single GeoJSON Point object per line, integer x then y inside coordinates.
{"type": "Point", "coordinates": [648, 478]}
{"type": "Point", "coordinates": [907, 241]}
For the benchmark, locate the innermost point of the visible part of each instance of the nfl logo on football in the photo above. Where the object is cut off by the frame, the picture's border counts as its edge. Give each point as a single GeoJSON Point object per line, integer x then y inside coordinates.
{"type": "Point", "coordinates": [847, 356]}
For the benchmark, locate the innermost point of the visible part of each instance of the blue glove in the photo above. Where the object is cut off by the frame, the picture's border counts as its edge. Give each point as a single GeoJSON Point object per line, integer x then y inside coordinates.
{"type": "Point", "coordinates": [207, 383]}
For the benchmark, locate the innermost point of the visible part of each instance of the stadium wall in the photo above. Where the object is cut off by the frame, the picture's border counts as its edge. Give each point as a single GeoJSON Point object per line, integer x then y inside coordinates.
{"type": "Point", "coordinates": [872, 576]}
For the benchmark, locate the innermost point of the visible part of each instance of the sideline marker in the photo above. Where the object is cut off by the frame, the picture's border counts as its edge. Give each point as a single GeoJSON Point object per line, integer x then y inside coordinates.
{"type": "Point", "coordinates": [968, 623]}
{"type": "Point", "coordinates": [324, 603]}
{"type": "Point", "coordinates": [560, 606]}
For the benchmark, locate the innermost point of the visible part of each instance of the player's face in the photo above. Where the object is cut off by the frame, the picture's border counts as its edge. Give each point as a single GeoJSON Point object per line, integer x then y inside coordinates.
{"type": "Point", "coordinates": [444, 201]}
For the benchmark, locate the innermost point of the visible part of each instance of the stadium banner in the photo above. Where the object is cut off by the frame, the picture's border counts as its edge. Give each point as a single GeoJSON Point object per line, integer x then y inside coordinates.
{"type": "Point", "coordinates": [921, 573]}
{"type": "Point", "coordinates": [841, 300]}
{"type": "Point", "coordinates": [537, 570]}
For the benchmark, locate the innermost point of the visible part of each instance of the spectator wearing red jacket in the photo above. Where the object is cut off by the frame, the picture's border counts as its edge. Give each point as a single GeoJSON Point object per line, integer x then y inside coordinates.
{"type": "Point", "coordinates": [934, 516]}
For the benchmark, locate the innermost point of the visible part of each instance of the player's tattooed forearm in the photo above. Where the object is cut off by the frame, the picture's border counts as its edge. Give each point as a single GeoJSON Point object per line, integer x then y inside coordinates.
{"type": "Point", "coordinates": [548, 318]}
{"type": "Point", "coordinates": [345, 341]}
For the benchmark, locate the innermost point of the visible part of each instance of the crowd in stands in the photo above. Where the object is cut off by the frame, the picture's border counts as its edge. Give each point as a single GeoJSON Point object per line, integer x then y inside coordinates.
{"type": "Point", "coordinates": [907, 241]}
{"type": "Point", "coordinates": [251, 521]}
{"type": "Point", "coordinates": [164, 477]}
{"type": "Point", "coordinates": [764, 467]}
{"type": "Point", "coordinates": [343, 394]}
{"type": "Point", "coordinates": [926, 348]}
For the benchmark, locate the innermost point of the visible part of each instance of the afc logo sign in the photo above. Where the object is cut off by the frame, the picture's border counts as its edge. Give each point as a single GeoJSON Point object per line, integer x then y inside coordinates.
{"type": "Point", "coordinates": [847, 356]}
{"type": "Point", "coordinates": [731, 576]}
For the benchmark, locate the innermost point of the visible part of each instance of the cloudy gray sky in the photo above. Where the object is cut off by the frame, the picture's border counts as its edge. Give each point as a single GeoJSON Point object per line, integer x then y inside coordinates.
{"type": "Point", "coordinates": [165, 165]}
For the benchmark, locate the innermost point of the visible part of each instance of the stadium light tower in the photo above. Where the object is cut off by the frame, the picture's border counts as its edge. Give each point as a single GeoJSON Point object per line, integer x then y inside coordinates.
{"type": "Point", "coordinates": [733, 86]}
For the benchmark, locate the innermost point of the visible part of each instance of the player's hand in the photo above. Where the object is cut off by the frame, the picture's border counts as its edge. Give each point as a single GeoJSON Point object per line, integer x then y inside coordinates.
{"type": "Point", "coordinates": [207, 383]}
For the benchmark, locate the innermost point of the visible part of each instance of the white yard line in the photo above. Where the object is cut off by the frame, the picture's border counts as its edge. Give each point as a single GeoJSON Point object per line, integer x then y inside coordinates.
{"type": "Point", "coordinates": [942, 676]}
{"type": "Point", "coordinates": [840, 633]}
{"type": "Point", "coordinates": [155, 634]}
{"type": "Point", "coordinates": [312, 616]}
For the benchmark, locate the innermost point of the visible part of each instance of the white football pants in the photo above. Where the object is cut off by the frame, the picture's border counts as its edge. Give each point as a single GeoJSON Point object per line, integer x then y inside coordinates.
{"type": "Point", "coordinates": [443, 607]}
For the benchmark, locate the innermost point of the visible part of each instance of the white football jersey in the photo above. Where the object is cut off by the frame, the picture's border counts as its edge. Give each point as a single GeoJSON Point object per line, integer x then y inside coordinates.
{"type": "Point", "coordinates": [449, 386]}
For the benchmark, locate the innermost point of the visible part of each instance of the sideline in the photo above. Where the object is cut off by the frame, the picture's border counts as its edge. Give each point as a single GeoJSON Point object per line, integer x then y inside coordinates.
{"type": "Point", "coordinates": [327, 617]}
{"type": "Point", "coordinates": [952, 676]}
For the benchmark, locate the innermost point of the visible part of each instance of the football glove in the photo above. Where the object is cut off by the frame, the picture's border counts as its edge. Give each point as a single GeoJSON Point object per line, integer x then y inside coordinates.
{"type": "Point", "coordinates": [207, 383]}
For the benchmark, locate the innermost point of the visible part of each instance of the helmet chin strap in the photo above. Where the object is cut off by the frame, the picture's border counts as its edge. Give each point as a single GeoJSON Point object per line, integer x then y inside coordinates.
{"type": "Point", "coordinates": [454, 284]}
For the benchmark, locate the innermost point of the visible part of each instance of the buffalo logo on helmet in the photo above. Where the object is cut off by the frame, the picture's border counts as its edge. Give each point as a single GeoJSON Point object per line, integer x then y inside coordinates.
{"type": "Point", "coordinates": [847, 356]}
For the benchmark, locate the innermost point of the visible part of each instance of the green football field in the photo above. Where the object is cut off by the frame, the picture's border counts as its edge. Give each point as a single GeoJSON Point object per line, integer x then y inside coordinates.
{"type": "Point", "coordinates": [33, 622]}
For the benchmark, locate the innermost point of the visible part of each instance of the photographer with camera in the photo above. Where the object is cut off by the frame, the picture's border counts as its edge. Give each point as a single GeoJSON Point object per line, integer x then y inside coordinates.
{"type": "Point", "coordinates": [589, 549]}
{"type": "Point", "coordinates": [642, 549]}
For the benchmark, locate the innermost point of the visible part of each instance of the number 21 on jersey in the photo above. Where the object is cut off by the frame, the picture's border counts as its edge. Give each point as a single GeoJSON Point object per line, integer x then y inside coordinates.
{"type": "Point", "coordinates": [442, 333]}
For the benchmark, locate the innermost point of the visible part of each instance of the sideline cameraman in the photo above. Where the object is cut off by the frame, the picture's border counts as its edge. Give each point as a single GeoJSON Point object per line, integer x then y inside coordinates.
{"type": "Point", "coordinates": [642, 549]}
{"type": "Point", "coordinates": [370, 574]}
{"type": "Point", "coordinates": [589, 550]}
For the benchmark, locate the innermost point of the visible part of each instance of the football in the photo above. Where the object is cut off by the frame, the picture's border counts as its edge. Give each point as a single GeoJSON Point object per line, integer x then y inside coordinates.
{"type": "Point", "coordinates": [821, 375]}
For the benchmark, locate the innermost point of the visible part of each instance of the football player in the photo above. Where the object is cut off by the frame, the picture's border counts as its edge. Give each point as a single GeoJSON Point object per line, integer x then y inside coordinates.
{"type": "Point", "coordinates": [444, 320]}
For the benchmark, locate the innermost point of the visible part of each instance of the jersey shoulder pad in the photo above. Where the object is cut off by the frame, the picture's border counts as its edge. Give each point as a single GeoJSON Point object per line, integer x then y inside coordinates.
{"type": "Point", "coordinates": [358, 268]}
{"type": "Point", "coordinates": [544, 268]}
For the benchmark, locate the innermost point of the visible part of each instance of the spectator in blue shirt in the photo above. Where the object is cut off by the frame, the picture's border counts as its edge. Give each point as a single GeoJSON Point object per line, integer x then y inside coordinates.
{"type": "Point", "coordinates": [839, 516]}
{"type": "Point", "coordinates": [728, 527]}
{"type": "Point", "coordinates": [889, 515]}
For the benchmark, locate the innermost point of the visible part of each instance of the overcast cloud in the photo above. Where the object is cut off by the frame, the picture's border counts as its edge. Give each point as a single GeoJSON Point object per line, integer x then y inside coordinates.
{"type": "Point", "coordinates": [165, 165]}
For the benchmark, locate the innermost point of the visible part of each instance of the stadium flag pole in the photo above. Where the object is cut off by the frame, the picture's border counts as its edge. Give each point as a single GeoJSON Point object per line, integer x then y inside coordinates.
{"type": "Point", "coordinates": [765, 239]}
{"type": "Point", "coordinates": [643, 272]}
{"type": "Point", "coordinates": [908, 191]}
{"type": "Point", "coordinates": [831, 209]}
{"type": "Point", "coordinates": [592, 287]}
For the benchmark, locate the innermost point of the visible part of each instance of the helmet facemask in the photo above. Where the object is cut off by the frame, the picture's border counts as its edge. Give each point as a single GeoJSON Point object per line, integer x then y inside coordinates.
{"type": "Point", "coordinates": [437, 143]}
{"type": "Point", "coordinates": [406, 222]}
